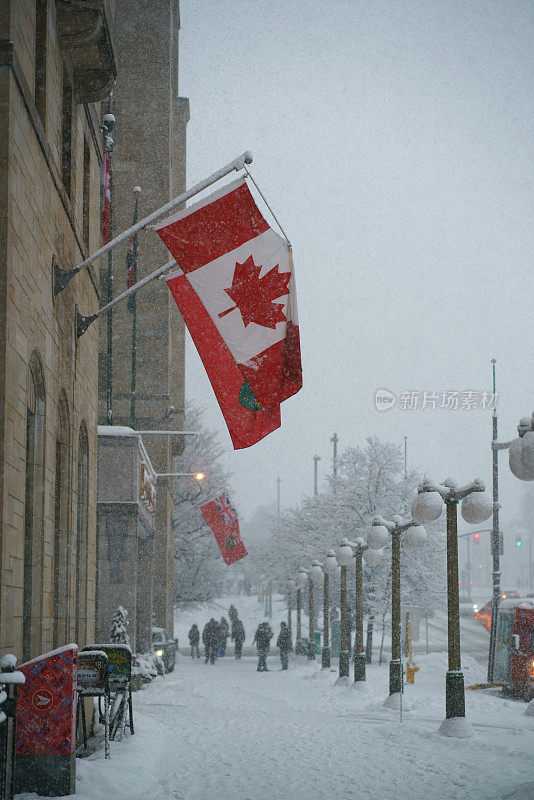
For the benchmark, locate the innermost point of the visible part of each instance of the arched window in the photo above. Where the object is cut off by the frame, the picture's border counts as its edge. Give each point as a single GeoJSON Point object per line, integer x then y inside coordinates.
{"type": "Point", "coordinates": [33, 509]}
{"type": "Point", "coordinates": [61, 524]}
{"type": "Point", "coordinates": [80, 619]}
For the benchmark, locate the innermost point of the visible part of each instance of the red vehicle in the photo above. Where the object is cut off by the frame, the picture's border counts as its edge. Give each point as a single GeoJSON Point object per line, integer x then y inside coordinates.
{"type": "Point", "coordinates": [514, 652]}
{"type": "Point", "coordinates": [483, 615]}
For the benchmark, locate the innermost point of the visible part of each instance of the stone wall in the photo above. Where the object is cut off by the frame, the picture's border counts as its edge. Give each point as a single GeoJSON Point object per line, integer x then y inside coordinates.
{"type": "Point", "coordinates": [42, 220]}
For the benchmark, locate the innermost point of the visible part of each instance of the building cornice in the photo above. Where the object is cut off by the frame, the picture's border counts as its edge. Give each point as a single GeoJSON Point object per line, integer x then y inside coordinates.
{"type": "Point", "coordinates": [85, 32]}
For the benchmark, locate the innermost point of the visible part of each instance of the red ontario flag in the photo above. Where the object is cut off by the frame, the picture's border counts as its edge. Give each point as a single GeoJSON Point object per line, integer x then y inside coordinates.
{"type": "Point", "coordinates": [242, 272]}
{"type": "Point", "coordinates": [221, 516]}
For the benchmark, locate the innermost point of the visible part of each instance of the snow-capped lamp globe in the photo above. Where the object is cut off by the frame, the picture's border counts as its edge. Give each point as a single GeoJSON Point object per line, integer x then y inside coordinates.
{"type": "Point", "coordinates": [109, 121]}
{"type": "Point", "coordinates": [316, 572]}
{"type": "Point", "coordinates": [377, 536]}
{"type": "Point", "coordinates": [372, 557]}
{"type": "Point", "coordinates": [414, 537]}
{"type": "Point", "coordinates": [330, 563]}
{"type": "Point", "coordinates": [477, 508]}
{"type": "Point", "coordinates": [302, 578]}
{"type": "Point", "coordinates": [359, 541]}
{"type": "Point", "coordinates": [426, 507]}
{"type": "Point", "coordinates": [521, 451]}
{"type": "Point", "coordinates": [344, 553]}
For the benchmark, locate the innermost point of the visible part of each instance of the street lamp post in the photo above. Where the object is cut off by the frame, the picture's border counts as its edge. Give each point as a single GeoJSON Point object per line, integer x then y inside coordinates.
{"type": "Point", "coordinates": [344, 558]}
{"type": "Point", "coordinates": [302, 580]}
{"type": "Point", "coordinates": [291, 586]}
{"type": "Point", "coordinates": [329, 569]}
{"type": "Point", "coordinates": [372, 557]}
{"type": "Point", "coordinates": [476, 508]}
{"type": "Point", "coordinates": [377, 537]}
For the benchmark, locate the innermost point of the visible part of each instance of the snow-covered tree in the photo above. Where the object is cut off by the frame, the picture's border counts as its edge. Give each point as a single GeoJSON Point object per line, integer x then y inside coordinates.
{"type": "Point", "coordinates": [119, 627]}
{"type": "Point", "coordinates": [198, 566]}
{"type": "Point", "coordinates": [370, 481]}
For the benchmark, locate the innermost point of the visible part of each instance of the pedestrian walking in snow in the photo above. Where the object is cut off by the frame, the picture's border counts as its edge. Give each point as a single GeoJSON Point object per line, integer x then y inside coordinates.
{"type": "Point", "coordinates": [194, 640]}
{"type": "Point", "coordinates": [224, 633]}
{"type": "Point", "coordinates": [263, 637]}
{"type": "Point", "coordinates": [210, 639]}
{"type": "Point", "coordinates": [238, 636]}
{"type": "Point", "coordinates": [284, 644]}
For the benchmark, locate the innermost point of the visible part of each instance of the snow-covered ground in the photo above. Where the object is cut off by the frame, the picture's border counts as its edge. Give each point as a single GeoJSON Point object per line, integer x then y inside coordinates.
{"type": "Point", "coordinates": [224, 731]}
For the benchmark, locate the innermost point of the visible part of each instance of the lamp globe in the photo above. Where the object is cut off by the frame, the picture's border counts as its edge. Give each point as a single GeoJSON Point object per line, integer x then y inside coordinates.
{"type": "Point", "coordinates": [344, 553]}
{"type": "Point", "coordinates": [477, 508]}
{"type": "Point", "coordinates": [427, 507]}
{"type": "Point", "coordinates": [414, 537]}
{"type": "Point", "coordinates": [373, 557]}
{"type": "Point", "coordinates": [330, 563]}
{"type": "Point", "coordinates": [302, 578]}
{"type": "Point", "coordinates": [316, 571]}
{"type": "Point", "coordinates": [377, 537]}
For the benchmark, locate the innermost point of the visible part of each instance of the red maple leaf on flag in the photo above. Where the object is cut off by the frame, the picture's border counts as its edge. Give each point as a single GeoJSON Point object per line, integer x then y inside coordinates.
{"type": "Point", "coordinates": [255, 297]}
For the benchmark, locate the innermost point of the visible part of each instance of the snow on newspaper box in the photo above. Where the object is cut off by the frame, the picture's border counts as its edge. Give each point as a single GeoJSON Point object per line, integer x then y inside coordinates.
{"type": "Point", "coordinates": [46, 724]}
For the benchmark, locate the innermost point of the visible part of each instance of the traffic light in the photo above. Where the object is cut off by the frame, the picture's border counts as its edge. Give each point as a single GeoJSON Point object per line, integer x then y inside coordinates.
{"type": "Point", "coordinates": [476, 537]}
{"type": "Point", "coordinates": [518, 541]}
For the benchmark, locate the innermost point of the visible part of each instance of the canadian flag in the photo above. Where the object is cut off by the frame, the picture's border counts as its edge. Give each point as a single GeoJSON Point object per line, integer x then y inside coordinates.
{"type": "Point", "coordinates": [247, 423]}
{"type": "Point", "coordinates": [222, 518]}
{"type": "Point", "coordinates": [242, 272]}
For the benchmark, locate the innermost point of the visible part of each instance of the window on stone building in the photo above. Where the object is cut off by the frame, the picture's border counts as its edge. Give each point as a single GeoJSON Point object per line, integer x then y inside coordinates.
{"type": "Point", "coordinates": [66, 132]}
{"type": "Point", "coordinates": [33, 509]}
{"type": "Point", "coordinates": [80, 629]}
{"type": "Point", "coordinates": [61, 525]}
{"type": "Point", "coordinates": [86, 190]}
{"type": "Point", "coordinates": [41, 26]}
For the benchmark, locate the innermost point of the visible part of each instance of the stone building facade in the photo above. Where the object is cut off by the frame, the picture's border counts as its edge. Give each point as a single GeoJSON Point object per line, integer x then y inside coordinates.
{"type": "Point", "coordinates": [125, 541]}
{"type": "Point", "coordinates": [149, 136]}
{"type": "Point", "coordinates": [57, 62]}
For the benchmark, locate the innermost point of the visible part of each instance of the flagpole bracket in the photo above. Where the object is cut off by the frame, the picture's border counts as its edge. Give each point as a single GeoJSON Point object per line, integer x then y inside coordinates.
{"type": "Point", "coordinates": [82, 323]}
{"type": "Point", "coordinates": [61, 277]}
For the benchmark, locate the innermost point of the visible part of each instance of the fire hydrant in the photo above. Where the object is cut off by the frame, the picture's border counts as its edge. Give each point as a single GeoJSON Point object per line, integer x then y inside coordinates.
{"type": "Point", "coordinates": [411, 669]}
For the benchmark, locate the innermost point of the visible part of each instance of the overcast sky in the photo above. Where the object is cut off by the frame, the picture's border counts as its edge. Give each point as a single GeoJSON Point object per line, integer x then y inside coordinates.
{"type": "Point", "coordinates": [395, 141]}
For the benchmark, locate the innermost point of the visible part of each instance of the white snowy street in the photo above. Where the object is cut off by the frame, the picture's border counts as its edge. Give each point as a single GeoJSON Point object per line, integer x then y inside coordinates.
{"type": "Point", "coordinates": [229, 732]}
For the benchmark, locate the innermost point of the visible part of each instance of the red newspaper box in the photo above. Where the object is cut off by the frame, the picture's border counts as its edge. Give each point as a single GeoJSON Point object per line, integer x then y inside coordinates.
{"type": "Point", "coordinates": [46, 724]}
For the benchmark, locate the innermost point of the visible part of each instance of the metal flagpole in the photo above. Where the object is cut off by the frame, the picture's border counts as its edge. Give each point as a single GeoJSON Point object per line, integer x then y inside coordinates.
{"type": "Point", "coordinates": [82, 323]}
{"type": "Point", "coordinates": [62, 277]}
{"type": "Point", "coordinates": [137, 192]}
{"type": "Point", "coordinates": [109, 415]}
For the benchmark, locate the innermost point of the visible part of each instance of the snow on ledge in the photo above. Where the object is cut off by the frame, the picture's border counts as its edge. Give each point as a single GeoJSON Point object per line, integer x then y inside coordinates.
{"type": "Point", "coordinates": [116, 430]}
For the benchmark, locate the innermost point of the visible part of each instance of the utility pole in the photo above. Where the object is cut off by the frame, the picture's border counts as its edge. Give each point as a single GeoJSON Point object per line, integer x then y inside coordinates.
{"type": "Point", "coordinates": [495, 537]}
{"type": "Point", "coordinates": [334, 441]}
{"type": "Point", "coordinates": [316, 460]}
{"type": "Point", "coordinates": [278, 481]}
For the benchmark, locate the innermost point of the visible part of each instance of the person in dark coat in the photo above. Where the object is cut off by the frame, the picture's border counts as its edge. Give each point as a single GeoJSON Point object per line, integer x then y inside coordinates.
{"type": "Point", "coordinates": [238, 636]}
{"type": "Point", "coordinates": [194, 639]}
{"type": "Point", "coordinates": [224, 633]}
{"type": "Point", "coordinates": [263, 637]}
{"type": "Point", "coordinates": [210, 639]}
{"type": "Point", "coordinates": [284, 644]}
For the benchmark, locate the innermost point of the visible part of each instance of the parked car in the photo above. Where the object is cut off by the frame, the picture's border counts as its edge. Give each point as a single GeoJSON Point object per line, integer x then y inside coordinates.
{"type": "Point", "coordinates": [164, 647]}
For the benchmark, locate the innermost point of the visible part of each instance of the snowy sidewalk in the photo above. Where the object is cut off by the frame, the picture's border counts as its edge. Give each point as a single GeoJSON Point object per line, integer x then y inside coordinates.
{"type": "Point", "coordinates": [227, 732]}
